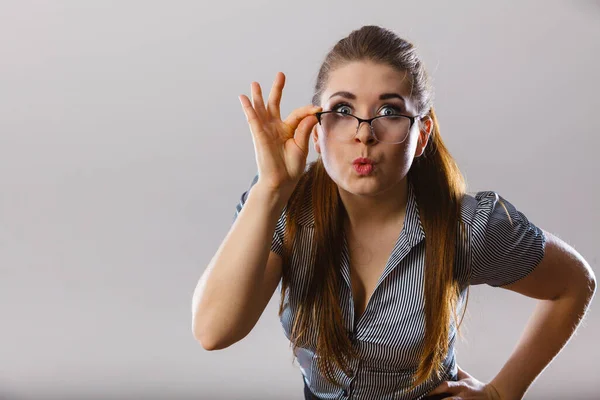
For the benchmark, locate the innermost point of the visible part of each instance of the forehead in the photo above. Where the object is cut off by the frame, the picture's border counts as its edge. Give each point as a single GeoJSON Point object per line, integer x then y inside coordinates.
{"type": "Point", "coordinates": [367, 80]}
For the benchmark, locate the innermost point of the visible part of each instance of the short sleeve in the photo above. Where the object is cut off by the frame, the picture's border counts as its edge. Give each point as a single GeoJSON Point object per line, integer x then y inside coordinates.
{"type": "Point", "coordinates": [277, 242]}
{"type": "Point", "coordinates": [505, 246]}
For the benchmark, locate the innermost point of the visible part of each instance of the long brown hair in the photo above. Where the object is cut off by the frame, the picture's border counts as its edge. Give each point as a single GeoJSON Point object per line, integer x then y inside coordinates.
{"type": "Point", "coordinates": [438, 186]}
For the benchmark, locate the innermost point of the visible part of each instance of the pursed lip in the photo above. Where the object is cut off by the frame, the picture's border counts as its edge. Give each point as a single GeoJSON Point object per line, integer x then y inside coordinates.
{"type": "Point", "coordinates": [363, 160]}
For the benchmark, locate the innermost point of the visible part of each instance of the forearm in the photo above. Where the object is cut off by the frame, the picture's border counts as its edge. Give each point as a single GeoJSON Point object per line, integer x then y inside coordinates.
{"type": "Point", "coordinates": [229, 293]}
{"type": "Point", "coordinates": [550, 327]}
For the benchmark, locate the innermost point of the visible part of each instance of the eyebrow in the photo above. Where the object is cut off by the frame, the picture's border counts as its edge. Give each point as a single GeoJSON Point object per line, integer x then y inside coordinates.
{"type": "Point", "coordinates": [385, 96]}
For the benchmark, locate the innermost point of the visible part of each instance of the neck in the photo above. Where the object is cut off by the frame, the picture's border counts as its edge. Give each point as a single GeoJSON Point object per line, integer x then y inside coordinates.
{"type": "Point", "coordinates": [374, 212]}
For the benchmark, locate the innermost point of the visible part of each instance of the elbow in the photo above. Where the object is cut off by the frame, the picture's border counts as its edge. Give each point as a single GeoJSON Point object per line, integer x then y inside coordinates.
{"type": "Point", "coordinates": [589, 280]}
{"type": "Point", "coordinates": [201, 329]}
{"type": "Point", "coordinates": [208, 343]}
{"type": "Point", "coordinates": [585, 288]}
{"type": "Point", "coordinates": [207, 339]}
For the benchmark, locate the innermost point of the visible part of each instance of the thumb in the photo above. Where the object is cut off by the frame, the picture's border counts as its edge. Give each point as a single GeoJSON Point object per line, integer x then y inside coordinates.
{"type": "Point", "coordinates": [462, 374]}
{"type": "Point", "coordinates": [303, 131]}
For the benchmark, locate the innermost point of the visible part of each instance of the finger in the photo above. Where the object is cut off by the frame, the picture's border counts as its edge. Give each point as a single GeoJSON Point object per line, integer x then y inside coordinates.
{"type": "Point", "coordinates": [446, 387]}
{"type": "Point", "coordinates": [299, 114]}
{"type": "Point", "coordinates": [303, 131]}
{"type": "Point", "coordinates": [274, 102]}
{"type": "Point", "coordinates": [257, 101]}
{"type": "Point", "coordinates": [251, 116]}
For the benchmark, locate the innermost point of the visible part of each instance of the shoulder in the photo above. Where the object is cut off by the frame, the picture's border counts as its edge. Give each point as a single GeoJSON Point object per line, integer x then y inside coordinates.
{"type": "Point", "coordinates": [478, 204]}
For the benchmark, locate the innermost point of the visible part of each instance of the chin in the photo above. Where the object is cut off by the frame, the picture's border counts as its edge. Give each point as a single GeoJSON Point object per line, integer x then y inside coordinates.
{"type": "Point", "coordinates": [362, 184]}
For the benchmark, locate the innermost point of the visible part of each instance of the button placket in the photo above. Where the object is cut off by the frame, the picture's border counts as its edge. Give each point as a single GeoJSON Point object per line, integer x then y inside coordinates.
{"type": "Point", "coordinates": [354, 363]}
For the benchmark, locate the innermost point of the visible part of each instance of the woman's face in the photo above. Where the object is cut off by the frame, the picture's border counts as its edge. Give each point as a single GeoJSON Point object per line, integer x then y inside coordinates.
{"type": "Point", "coordinates": [358, 86]}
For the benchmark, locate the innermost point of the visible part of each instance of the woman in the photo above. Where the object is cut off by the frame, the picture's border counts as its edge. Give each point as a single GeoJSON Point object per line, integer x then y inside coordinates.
{"type": "Point", "coordinates": [376, 243]}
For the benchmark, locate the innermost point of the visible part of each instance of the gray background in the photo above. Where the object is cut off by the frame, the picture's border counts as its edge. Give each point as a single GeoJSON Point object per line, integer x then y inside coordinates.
{"type": "Point", "coordinates": [124, 150]}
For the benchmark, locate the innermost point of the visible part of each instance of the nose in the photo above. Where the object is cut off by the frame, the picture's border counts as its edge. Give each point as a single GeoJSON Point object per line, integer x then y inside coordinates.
{"type": "Point", "coordinates": [364, 133]}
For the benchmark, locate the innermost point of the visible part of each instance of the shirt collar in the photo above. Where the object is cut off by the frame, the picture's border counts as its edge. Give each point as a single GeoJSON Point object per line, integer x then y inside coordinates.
{"type": "Point", "coordinates": [412, 223]}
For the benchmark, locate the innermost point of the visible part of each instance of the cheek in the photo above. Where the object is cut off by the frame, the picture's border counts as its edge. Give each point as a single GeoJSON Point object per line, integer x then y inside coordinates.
{"type": "Point", "coordinates": [336, 158]}
{"type": "Point", "coordinates": [410, 145]}
{"type": "Point", "coordinates": [400, 161]}
{"type": "Point", "coordinates": [331, 153]}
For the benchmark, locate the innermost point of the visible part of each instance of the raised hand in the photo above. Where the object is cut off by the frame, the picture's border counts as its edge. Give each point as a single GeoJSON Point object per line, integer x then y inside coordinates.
{"type": "Point", "coordinates": [281, 147]}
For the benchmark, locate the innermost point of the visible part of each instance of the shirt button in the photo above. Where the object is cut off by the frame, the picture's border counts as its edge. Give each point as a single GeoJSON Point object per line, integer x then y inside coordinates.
{"type": "Point", "coordinates": [344, 393]}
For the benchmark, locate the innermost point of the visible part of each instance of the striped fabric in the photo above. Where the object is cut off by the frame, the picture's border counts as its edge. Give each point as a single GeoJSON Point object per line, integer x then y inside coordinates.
{"type": "Point", "coordinates": [497, 246]}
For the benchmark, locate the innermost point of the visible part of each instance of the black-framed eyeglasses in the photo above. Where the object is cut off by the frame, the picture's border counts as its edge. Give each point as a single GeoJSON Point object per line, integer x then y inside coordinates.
{"type": "Point", "coordinates": [391, 129]}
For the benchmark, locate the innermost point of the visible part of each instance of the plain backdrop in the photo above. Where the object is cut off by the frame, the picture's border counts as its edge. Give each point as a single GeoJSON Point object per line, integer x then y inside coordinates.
{"type": "Point", "coordinates": [124, 151]}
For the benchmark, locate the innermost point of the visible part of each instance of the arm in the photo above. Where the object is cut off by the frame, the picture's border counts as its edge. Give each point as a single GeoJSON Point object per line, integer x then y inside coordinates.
{"type": "Point", "coordinates": [242, 276]}
{"type": "Point", "coordinates": [240, 279]}
{"type": "Point", "coordinates": [565, 285]}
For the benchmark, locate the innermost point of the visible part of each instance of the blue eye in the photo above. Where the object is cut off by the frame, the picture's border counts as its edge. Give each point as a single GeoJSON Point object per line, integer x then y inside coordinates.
{"type": "Point", "coordinates": [395, 110]}
{"type": "Point", "coordinates": [343, 108]}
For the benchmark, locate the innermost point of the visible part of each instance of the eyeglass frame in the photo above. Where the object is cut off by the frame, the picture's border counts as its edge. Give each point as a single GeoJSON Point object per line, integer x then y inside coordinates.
{"type": "Point", "coordinates": [368, 121]}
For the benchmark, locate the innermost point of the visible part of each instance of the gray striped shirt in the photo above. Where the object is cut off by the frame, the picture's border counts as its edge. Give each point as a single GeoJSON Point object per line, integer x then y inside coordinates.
{"type": "Point", "coordinates": [492, 249]}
